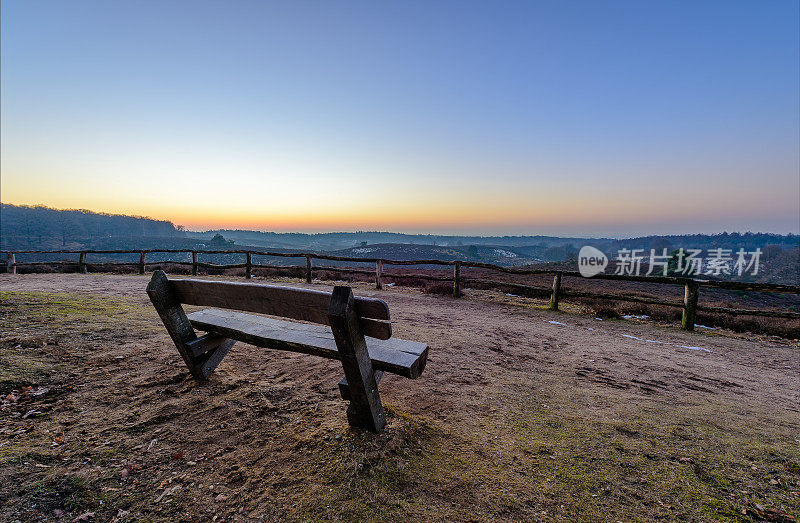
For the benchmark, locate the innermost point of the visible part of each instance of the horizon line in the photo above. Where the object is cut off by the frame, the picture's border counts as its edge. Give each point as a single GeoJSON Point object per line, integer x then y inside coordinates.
{"type": "Point", "coordinates": [364, 231]}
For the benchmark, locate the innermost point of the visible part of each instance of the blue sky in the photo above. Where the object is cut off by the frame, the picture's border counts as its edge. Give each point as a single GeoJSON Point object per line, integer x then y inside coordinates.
{"type": "Point", "coordinates": [592, 118]}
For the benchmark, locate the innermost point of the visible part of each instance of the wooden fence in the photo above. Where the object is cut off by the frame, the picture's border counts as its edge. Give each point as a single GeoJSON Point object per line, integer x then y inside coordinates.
{"type": "Point", "coordinates": [689, 304]}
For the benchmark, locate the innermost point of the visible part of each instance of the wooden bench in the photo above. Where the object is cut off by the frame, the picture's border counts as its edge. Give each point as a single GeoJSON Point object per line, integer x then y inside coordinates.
{"type": "Point", "coordinates": [359, 334]}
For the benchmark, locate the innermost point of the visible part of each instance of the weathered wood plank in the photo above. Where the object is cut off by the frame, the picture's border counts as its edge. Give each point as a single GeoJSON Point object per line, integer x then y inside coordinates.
{"type": "Point", "coordinates": [205, 343]}
{"type": "Point", "coordinates": [344, 388]}
{"type": "Point", "coordinates": [206, 363]}
{"type": "Point", "coordinates": [365, 410]}
{"type": "Point", "coordinates": [397, 356]}
{"type": "Point", "coordinates": [299, 304]}
{"type": "Point", "coordinates": [180, 330]}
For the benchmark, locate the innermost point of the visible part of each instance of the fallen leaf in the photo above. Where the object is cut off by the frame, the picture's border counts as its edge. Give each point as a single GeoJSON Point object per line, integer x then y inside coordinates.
{"type": "Point", "coordinates": [126, 470]}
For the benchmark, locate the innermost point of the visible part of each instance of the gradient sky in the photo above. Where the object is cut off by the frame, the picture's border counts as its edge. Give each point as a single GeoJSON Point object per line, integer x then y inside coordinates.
{"type": "Point", "coordinates": [610, 118]}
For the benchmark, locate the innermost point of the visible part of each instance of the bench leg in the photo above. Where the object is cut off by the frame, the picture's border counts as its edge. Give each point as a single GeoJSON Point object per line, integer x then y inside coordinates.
{"type": "Point", "coordinates": [181, 331]}
{"type": "Point", "coordinates": [365, 410]}
{"type": "Point", "coordinates": [344, 388]}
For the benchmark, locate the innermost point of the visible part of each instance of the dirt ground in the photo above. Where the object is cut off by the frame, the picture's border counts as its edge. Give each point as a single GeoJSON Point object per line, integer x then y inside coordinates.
{"type": "Point", "coordinates": [521, 414]}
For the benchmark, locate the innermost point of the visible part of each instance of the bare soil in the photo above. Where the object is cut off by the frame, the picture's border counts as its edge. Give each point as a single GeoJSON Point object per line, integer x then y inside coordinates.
{"type": "Point", "coordinates": [521, 414]}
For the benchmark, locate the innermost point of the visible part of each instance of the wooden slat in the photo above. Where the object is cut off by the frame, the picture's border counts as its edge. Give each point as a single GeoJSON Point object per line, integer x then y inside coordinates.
{"type": "Point", "coordinates": [401, 357]}
{"type": "Point", "coordinates": [299, 304]}
{"type": "Point", "coordinates": [180, 330]}
{"type": "Point", "coordinates": [205, 343]}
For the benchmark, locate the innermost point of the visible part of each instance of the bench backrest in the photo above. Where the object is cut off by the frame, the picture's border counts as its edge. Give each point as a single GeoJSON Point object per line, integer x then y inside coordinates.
{"type": "Point", "coordinates": [287, 302]}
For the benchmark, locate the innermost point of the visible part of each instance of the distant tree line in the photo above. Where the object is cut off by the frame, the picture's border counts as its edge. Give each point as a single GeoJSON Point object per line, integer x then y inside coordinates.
{"type": "Point", "coordinates": [40, 227]}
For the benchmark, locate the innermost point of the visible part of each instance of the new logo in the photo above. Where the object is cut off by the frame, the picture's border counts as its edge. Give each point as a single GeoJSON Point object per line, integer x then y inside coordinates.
{"type": "Point", "coordinates": [591, 261]}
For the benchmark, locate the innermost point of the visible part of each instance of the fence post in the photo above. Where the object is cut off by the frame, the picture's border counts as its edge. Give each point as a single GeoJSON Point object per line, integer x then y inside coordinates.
{"type": "Point", "coordinates": [457, 279]}
{"type": "Point", "coordinates": [556, 290]}
{"type": "Point", "coordinates": [690, 305]}
{"type": "Point", "coordinates": [82, 263]}
{"type": "Point", "coordinates": [194, 263]}
{"type": "Point", "coordinates": [142, 255]}
{"type": "Point", "coordinates": [247, 268]}
{"type": "Point", "coordinates": [308, 268]}
{"type": "Point", "coordinates": [378, 274]}
{"type": "Point", "coordinates": [11, 264]}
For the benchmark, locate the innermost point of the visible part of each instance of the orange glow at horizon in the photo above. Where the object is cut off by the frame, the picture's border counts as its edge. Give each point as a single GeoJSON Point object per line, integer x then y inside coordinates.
{"type": "Point", "coordinates": [287, 197]}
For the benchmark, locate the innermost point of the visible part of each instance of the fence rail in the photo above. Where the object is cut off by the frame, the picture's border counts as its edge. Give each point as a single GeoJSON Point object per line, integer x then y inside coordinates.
{"type": "Point", "coordinates": [689, 304]}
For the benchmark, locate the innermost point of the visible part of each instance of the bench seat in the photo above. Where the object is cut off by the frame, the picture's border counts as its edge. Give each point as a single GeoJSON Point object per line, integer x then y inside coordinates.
{"type": "Point", "coordinates": [396, 356]}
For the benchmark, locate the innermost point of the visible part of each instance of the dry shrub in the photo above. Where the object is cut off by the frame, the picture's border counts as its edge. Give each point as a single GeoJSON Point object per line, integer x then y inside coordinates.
{"type": "Point", "coordinates": [288, 272]}
{"type": "Point", "coordinates": [784, 327]}
{"type": "Point", "coordinates": [656, 312]}
{"type": "Point", "coordinates": [171, 268]}
{"type": "Point", "coordinates": [408, 281]}
{"type": "Point", "coordinates": [439, 287]}
{"type": "Point", "coordinates": [604, 309]}
{"type": "Point", "coordinates": [787, 328]}
{"type": "Point", "coordinates": [530, 293]}
{"type": "Point", "coordinates": [47, 269]}
{"type": "Point", "coordinates": [336, 276]}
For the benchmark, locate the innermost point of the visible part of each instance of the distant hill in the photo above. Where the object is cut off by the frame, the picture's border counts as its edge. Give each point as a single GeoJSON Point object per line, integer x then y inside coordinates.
{"type": "Point", "coordinates": [331, 241]}
{"type": "Point", "coordinates": [43, 228]}
{"type": "Point", "coordinates": [40, 227]}
{"type": "Point", "coordinates": [544, 247]}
